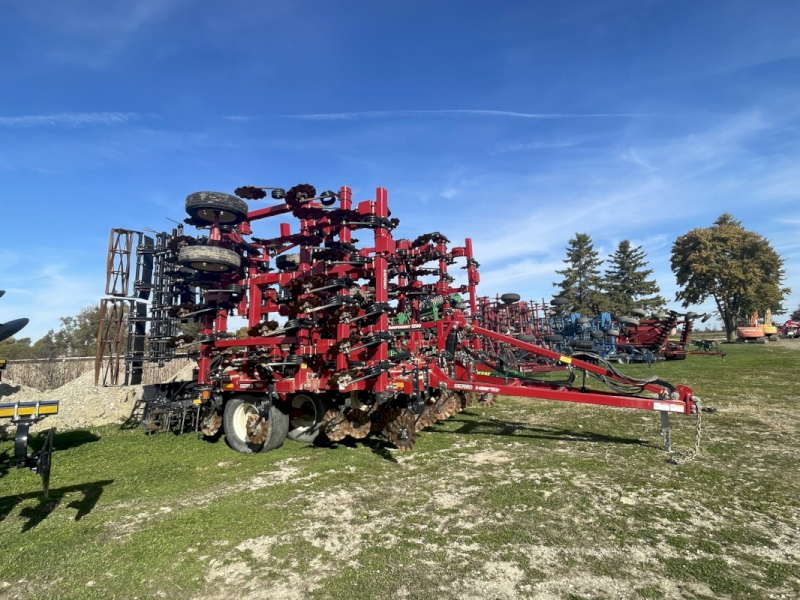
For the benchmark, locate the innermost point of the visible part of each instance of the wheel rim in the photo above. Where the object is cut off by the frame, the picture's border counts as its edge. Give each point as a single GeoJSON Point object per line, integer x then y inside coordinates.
{"type": "Point", "coordinates": [240, 415]}
{"type": "Point", "coordinates": [309, 417]}
{"type": "Point", "coordinates": [207, 214]}
{"type": "Point", "coordinates": [208, 266]}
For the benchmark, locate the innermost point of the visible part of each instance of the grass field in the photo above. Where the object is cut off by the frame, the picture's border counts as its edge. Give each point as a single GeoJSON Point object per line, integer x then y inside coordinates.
{"type": "Point", "coordinates": [526, 499]}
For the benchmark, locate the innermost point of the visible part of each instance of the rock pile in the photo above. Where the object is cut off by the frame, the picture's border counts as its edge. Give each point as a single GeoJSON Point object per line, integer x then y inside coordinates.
{"type": "Point", "coordinates": [82, 404]}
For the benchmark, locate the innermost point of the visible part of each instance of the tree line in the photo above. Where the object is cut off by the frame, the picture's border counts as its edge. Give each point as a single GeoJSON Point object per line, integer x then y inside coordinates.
{"type": "Point", "coordinates": [738, 269]}
{"type": "Point", "coordinates": [77, 336]}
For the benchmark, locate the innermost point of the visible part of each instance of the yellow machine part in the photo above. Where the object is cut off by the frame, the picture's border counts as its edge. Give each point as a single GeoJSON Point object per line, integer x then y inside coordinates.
{"type": "Point", "coordinates": [28, 409]}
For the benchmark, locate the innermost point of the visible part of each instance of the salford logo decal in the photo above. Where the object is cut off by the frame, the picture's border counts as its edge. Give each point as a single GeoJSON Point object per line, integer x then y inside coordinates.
{"type": "Point", "coordinates": [476, 388]}
{"type": "Point", "coordinates": [409, 326]}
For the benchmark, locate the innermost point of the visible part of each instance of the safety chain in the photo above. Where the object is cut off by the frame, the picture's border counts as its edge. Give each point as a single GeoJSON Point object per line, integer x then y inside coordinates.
{"type": "Point", "coordinates": [679, 458]}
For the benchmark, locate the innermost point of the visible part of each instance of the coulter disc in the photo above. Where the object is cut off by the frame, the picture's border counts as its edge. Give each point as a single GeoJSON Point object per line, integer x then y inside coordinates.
{"type": "Point", "coordinates": [487, 400]}
{"type": "Point", "coordinates": [359, 423]}
{"type": "Point", "coordinates": [401, 430]}
{"type": "Point", "coordinates": [257, 428]}
{"type": "Point", "coordinates": [335, 425]}
{"type": "Point", "coordinates": [211, 424]}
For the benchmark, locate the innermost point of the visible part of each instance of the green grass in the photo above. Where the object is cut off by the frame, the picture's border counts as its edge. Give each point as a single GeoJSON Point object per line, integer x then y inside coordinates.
{"type": "Point", "coordinates": [518, 500]}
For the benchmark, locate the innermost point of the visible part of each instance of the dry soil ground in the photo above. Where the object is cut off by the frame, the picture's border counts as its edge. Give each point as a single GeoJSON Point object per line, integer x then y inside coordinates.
{"type": "Point", "coordinates": [522, 500]}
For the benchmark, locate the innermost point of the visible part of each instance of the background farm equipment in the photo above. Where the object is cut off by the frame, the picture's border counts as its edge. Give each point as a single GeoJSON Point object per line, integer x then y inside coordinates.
{"type": "Point", "coordinates": [639, 337]}
{"type": "Point", "coordinates": [341, 339]}
{"type": "Point", "coordinates": [757, 330]}
{"type": "Point", "coordinates": [790, 329]}
{"type": "Point", "coordinates": [23, 415]}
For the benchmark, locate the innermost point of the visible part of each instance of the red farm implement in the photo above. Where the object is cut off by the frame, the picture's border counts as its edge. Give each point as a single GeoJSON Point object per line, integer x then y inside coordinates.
{"type": "Point", "coordinates": [342, 338]}
{"type": "Point", "coordinates": [655, 334]}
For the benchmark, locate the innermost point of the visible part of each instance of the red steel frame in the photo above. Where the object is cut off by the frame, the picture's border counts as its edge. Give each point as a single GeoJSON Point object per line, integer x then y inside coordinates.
{"type": "Point", "coordinates": [323, 353]}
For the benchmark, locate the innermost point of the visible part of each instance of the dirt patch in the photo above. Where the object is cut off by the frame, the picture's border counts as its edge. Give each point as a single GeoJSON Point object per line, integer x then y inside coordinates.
{"type": "Point", "coordinates": [81, 403]}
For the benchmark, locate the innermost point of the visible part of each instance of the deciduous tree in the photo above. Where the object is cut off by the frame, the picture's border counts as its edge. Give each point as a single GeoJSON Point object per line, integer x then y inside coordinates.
{"type": "Point", "coordinates": [739, 269]}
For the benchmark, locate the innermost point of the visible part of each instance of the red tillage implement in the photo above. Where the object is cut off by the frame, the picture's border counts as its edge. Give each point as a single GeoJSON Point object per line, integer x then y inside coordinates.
{"type": "Point", "coordinates": [342, 339]}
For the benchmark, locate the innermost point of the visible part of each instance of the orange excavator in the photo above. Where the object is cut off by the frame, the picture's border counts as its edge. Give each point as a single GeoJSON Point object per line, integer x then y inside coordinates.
{"type": "Point", "coordinates": [757, 330]}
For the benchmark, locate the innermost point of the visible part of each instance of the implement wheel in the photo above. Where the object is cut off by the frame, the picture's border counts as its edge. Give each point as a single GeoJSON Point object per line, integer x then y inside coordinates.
{"type": "Point", "coordinates": [204, 206]}
{"type": "Point", "coordinates": [305, 427]}
{"type": "Point", "coordinates": [211, 259]}
{"type": "Point", "coordinates": [246, 431]}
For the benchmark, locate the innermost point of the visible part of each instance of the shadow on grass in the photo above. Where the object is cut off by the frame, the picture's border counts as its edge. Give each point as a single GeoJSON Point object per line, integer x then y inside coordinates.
{"type": "Point", "coordinates": [89, 495]}
{"type": "Point", "coordinates": [378, 446]}
{"type": "Point", "coordinates": [134, 419]}
{"type": "Point", "coordinates": [61, 441]}
{"type": "Point", "coordinates": [520, 430]}
{"type": "Point", "coordinates": [73, 439]}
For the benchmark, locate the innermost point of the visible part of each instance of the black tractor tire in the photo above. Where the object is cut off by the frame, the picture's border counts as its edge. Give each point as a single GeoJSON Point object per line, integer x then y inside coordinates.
{"type": "Point", "coordinates": [554, 338]}
{"type": "Point", "coordinates": [582, 344]}
{"type": "Point", "coordinates": [559, 301]}
{"type": "Point", "coordinates": [630, 321]}
{"type": "Point", "coordinates": [278, 430]}
{"type": "Point", "coordinates": [690, 316]}
{"type": "Point", "coordinates": [212, 259]}
{"type": "Point", "coordinates": [510, 298]}
{"type": "Point", "coordinates": [612, 332]}
{"type": "Point", "coordinates": [582, 320]}
{"type": "Point", "coordinates": [639, 312]}
{"type": "Point", "coordinates": [597, 335]}
{"type": "Point", "coordinates": [306, 428]}
{"type": "Point", "coordinates": [203, 206]}
{"type": "Point", "coordinates": [287, 262]}
{"type": "Point", "coordinates": [234, 423]}
{"type": "Point", "coordinates": [527, 338]}
{"type": "Point", "coordinates": [660, 315]}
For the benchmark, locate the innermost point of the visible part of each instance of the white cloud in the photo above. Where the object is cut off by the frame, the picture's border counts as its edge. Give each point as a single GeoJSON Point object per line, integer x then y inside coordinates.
{"type": "Point", "coordinates": [68, 119]}
{"type": "Point", "coordinates": [377, 114]}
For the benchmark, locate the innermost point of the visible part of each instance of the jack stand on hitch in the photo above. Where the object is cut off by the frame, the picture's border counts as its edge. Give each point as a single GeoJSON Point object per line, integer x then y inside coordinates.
{"type": "Point", "coordinates": [23, 415]}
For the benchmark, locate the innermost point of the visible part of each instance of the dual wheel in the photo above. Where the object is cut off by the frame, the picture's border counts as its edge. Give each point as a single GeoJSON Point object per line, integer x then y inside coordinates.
{"type": "Point", "coordinates": [248, 431]}
{"type": "Point", "coordinates": [208, 208]}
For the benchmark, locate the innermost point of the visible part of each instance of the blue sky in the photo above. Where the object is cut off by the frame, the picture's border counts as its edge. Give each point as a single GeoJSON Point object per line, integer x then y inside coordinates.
{"type": "Point", "coordinates": [515, 123]}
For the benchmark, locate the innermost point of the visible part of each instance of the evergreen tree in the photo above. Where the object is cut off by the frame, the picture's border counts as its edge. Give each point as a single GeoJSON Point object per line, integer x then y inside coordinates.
{"type": "Point", "coordinates": [582, 284]}
{"type": "Point", "coordinates": [627, 283]}
{"type": "Point", "coordinates": [795, 316]}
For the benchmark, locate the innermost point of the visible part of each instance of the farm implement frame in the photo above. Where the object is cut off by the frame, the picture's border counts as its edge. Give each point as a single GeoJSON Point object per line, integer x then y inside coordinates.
{"type": "Point", "coordinates": [639, 337]}
{"type": "Point", "coordinates": [23, 415]}
{"type": "Point", "coordinates": [341, 339]}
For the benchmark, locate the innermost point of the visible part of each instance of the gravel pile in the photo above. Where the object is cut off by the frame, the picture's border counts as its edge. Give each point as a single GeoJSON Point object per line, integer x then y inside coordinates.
{"type": "Point", "coordinates": [82, 404]}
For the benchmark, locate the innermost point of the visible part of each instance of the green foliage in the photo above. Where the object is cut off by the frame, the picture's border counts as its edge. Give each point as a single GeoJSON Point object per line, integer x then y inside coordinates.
{"type": "Point", "coordinates": [739, 269]}
{"type": "Point", "coordinates": [76, 337]}
{"type": "Point", "coordinates": [795, 316]}
{"type": "Point", "coordinates": [582, 284]}
{"type": "Point", "coordinates": [15, 349]}
{"type": "Point", "coordinates": [627, 283]}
